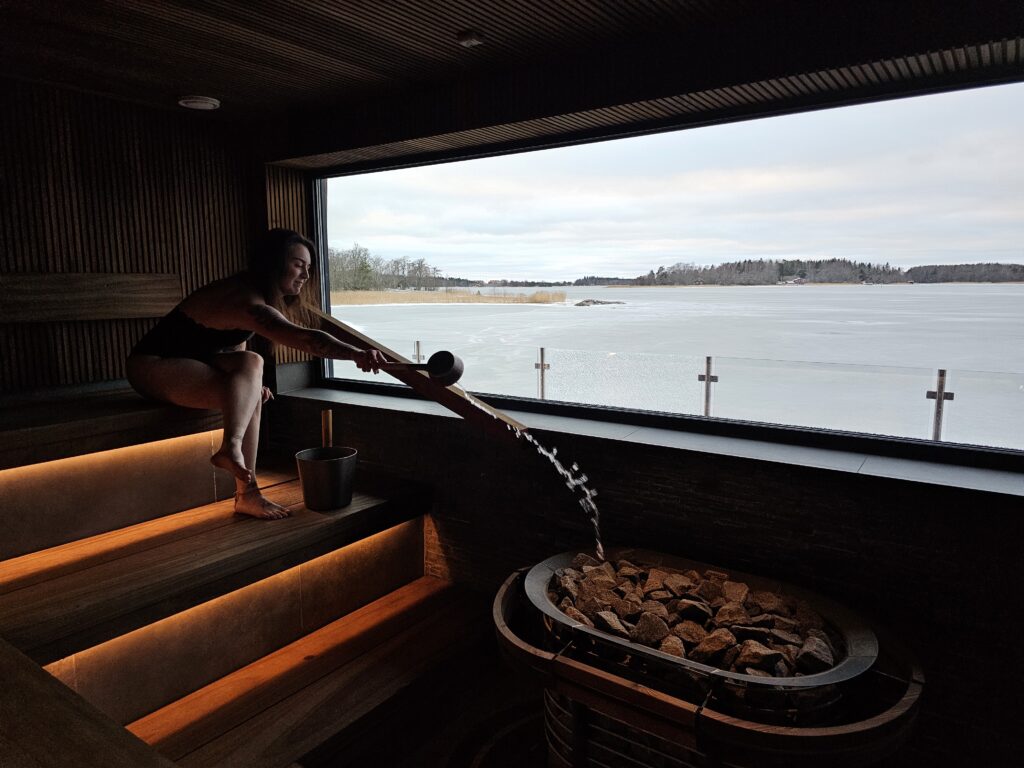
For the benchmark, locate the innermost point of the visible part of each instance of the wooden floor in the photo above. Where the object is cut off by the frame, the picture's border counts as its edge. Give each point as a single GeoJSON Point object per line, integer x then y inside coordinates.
{"type": "Point", "coordinates": [474, 711]}
{"type": "Point", "coordinates": [57, 601]}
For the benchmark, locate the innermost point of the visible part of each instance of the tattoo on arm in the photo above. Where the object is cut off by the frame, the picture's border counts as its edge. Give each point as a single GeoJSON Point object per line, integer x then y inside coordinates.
{"type": "Point", "coordinates": [275, 326]}
{"type": "Point", "coordinates": [321, 345]}
{"type": "Point", "coordinates": [265, 317]}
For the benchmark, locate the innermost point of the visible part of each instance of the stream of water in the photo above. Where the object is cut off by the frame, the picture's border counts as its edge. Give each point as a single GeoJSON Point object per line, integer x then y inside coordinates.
{"type": "Point", "coordinates": [575, 480]}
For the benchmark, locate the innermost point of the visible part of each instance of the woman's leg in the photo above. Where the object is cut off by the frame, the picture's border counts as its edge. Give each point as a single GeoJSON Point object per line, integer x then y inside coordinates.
{"type": "Point", "coordinates": [233, 385]}
{"type": "Point", "coordinates": [243, 384]}
{"type": "Point", "coordinates": [248, 499]}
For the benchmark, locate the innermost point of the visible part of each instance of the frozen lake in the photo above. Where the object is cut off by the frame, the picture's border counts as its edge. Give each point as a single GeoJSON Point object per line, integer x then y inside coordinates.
{"type": "Point", "coordinates": [852, 357]}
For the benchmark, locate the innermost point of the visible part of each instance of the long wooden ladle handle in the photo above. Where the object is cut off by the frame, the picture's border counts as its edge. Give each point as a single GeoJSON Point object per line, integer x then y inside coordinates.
{"type": "Point", "coordinates": [453, 398]}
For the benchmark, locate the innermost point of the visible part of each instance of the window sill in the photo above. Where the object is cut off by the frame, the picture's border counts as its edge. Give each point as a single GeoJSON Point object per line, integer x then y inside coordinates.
{"type": "Point", "coordinates": [911, 470]}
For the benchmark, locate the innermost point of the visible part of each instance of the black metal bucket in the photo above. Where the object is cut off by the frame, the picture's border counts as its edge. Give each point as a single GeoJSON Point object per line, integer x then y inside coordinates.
{"type": "Point", "coordinates": [326, 475]}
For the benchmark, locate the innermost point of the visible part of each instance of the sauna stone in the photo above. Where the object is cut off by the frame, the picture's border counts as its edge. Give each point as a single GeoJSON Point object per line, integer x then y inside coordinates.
{"type": "Point", "coordinates": [731, 613]}
{"type": "Point", "coordinates": [708, 618]}
{"type": "Point", "coordinates": [753, 654]}
{"type": "Point", "coordinates": [761, 634]}
{"type": "Point", "coordinates": [767, 602]}
{"type": "Point", "coordinates": [582, 618]}
{"type": "Point", "coordinates": [626, 609]}
{"type": "Point", "coordinates": [655, 580]}
{"type": "Point", "coordinates": [690, 632]}
{"type": "Point", "coordinates": [677, 584]}
{"type": "Point", "coordinates": [814, 656]}
{"type": "Point", "coordinates": [713, 646]}
{"type": "Point", "coordinates": [691, 609]}
{"type": "Point", "coordinates": [653, 606]}
{"type": "Point", "coordinates": [673, 646]}
{"type": "Point", "coordinates": [650, 630]}
{"type": "Point", "coordinates": [609, 622]}
{"type": "Point", "coordinates": [735, 591]}
{"type": "Point", "coordinates": [583, 559]}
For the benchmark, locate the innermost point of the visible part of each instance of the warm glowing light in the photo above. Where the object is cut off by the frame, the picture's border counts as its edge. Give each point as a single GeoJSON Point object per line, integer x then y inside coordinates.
{"type": "Point", "coordinates": [114, 455]}
{"type": "Point", "coordinates": [170, 658]}
{"type": "Point", "coordinates": [53, 502]}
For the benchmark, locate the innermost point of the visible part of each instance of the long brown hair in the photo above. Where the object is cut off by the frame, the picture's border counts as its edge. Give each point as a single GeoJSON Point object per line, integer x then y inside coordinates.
{"type": "Point", "coordinates": [269, 259]}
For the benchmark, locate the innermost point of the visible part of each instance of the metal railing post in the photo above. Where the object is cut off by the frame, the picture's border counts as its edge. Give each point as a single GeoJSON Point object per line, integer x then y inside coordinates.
{"type": "Point", "coordinates": [939, 395]}
{"type": "Point", "coordinates": [708, 380]}
{"type": "Point", "coordinates": [541, 367]}
{"type": "Point", "coordinates": [417, 357]}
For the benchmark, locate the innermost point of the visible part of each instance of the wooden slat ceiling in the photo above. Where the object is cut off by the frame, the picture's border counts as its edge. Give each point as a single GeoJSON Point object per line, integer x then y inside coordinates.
{"type": "Point", "coordinates": [265, 55]}
{"type": "Point", "coordinates": [832, 87]}
{"type": "Point", "coordinates": [341, 83]}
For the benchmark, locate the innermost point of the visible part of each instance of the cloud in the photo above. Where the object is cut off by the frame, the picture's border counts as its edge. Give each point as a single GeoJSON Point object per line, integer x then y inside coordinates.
{"type": "Point", "coordinates": [926, 180]}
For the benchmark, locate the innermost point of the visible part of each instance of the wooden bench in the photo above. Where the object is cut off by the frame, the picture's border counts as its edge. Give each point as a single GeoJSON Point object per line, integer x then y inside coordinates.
{"type": "Point", "coordinates": [73, 421]}
{"type": "Point", "coordinates": [70, 421]}
{"type": "Point", "coordinates": [61, 600]}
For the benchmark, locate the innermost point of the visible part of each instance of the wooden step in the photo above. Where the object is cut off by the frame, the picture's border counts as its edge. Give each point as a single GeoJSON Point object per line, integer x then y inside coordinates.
{"type": "Point", "coordinates": [277, 709]}
{"type": "Point", "coordinates": [59, 601]}
{"type": "Point", "coordinates": [37, 567]}
{"type": "Point", "coordinates": [42, 723]}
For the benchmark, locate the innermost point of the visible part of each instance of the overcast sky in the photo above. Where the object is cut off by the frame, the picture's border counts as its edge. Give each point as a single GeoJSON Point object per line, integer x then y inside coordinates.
{"type": "Point", "coordinates": [928, 180]}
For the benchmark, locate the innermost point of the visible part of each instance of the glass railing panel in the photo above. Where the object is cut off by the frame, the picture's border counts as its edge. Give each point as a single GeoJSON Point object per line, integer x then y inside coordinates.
{"type": "Point", "coordinates": [504, 369]}
{"type": "Point", "coordinates": [879, 400]}
{"type": "Point", "coordinates": [986, 409]}
{"type": "Point", "coordinates": [622, 379]}
{"type": "Point", "coordinates": [491, 369]}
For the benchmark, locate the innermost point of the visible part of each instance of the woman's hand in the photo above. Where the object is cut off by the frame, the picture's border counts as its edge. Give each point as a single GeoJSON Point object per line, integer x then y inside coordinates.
{"type": "Point", "coordinates": [267, 394]}
{"type": "Point", "coordinates": [368, 360]}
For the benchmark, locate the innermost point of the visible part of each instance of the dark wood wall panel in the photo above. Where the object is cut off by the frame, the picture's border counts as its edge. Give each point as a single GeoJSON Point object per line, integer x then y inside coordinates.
{"type": "Point", "coordinates": [289, 206]}
{"type": "Point", "coordinates": [97, 186]}
{"type": "Point", "coordinates": [920, 559]}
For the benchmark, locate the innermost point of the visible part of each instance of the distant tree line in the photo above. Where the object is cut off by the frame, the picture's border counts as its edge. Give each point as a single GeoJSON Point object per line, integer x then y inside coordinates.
{"type": "Point", "coordinates": [356, 269]}
{"type": "Point", "coordinates": [523, 283]}
{"type": "Point", "coordinates": [769, 272]}
{"type": "Point", "coordinates": [969, 273]}
{"type": "Point", "coordinates": [594, 280]}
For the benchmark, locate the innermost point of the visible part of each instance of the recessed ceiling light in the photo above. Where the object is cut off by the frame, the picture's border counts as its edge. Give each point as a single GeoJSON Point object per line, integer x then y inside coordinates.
{"type": "Point", "coordinates": [198, 102]}
{"type": "Point", "coordinates": [468, 38]}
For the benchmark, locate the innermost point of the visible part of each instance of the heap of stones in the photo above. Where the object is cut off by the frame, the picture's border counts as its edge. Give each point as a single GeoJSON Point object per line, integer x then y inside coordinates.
{"type": "Point", "coordinates": [707, 618]}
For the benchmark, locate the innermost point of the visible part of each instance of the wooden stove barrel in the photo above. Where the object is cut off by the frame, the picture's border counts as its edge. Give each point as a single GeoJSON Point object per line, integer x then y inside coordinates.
{"type": "Point", "coordinates": [741, 742]}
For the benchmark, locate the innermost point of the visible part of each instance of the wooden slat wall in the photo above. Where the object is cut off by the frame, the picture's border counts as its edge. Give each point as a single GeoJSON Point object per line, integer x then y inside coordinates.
{"type": "Point", "coordinates": [289, 206]}
{"type": "Point", "coordinates": [44, 297]}
{"type": "Point", "coordinates": [93, 185]}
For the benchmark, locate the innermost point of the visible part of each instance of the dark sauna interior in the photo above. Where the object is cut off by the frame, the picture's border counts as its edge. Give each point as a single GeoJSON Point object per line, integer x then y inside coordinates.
{"type": "Point", "coordinates": [142, 625]}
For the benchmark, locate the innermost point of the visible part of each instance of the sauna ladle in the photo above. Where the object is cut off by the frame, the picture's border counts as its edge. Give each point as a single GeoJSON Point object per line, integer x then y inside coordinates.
{"type": "Point", "coordinates": [443, 367]}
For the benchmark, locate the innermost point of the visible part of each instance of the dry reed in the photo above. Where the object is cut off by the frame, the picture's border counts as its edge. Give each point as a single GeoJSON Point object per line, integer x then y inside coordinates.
{"type": "Point", "coordinates": [460, 296]}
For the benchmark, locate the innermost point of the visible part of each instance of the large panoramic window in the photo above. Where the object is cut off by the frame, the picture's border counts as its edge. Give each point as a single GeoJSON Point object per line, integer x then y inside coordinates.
{"type": "Point", "coordinates": [857, 269]}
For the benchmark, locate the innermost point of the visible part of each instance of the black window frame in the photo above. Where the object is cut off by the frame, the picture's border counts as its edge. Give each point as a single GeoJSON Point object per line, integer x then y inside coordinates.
{"type": "Point", "coordinates": [959, 454]}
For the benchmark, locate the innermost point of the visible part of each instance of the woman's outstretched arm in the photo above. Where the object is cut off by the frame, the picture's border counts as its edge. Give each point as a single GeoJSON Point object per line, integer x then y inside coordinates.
{"type": "Point", "coordinates": [269, 322]}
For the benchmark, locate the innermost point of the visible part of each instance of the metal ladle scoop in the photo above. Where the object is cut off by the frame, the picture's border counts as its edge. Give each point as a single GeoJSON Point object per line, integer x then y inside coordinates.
{"type": "Point", "coordinates": [443, 367]}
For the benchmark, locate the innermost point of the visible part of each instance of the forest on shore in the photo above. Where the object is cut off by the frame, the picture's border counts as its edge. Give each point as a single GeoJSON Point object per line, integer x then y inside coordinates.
{"type": "Point", "coordinates": [356, 269]}
{"type": "Point", "coordinates": [771, 272]}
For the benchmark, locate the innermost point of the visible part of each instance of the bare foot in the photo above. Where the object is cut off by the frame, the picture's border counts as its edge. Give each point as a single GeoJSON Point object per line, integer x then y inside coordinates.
{"type": "Point", "coordinates": [253, 503]}
{"type": "Point", "coordinates": [229, 457]}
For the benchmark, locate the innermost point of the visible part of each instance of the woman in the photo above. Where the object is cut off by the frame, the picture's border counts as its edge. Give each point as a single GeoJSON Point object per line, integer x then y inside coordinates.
{"type": "Point", "coordinates": [195, 355]}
